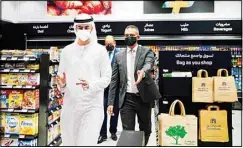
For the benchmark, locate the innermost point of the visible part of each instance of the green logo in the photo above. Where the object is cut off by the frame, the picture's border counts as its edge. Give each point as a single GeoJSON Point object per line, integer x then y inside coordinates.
{"type": "Point", "coordinates": [176, 132]}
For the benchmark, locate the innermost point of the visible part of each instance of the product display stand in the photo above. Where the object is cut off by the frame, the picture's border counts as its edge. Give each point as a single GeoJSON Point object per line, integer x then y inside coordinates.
{"type": "Point", "coordinates": [172, 88]}
{"type": "Point", "coordinates": [43, 111]}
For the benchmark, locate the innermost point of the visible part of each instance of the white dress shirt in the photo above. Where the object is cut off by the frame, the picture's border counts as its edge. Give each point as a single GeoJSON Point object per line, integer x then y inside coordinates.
{"type": "Point", "coordinates": [131, 55]}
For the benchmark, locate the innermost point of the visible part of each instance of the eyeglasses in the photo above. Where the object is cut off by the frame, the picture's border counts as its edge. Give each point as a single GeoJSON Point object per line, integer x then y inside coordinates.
{"type": "Point", "coordinates": [130, 35]}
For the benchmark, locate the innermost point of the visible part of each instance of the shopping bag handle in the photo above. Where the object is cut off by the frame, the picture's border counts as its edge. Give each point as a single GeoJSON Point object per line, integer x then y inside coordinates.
{"type": "Point", "coordinates": [172, 108]}
{"type": "Point", "coordinates": [219, 72]}
{"type": "Point", "coordinates": [199, 73]}
{"type": "Point", "coordinates": [213, 106]}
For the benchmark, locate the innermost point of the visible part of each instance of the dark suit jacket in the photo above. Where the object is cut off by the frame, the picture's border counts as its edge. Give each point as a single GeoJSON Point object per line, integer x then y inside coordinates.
{"type": "Point", "coordinates": [147, 88]}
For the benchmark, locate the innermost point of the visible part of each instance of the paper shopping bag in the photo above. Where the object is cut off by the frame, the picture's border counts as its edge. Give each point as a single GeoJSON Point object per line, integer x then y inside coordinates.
{"type": "Point", "coordinates": [202, 88]}
{"type": "Point", "coordinates": [213, 125]}
{"type": "Point", "coordinates": [177, 130]}
{"type": "Point", "coordinates": [224, 87]}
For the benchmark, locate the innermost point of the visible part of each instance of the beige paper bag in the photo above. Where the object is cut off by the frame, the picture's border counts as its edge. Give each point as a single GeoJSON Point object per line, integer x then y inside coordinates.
{"type": "Point", "coordinates": [224, 87]}
{"type": "Point", "coordinates": [213, 125]}
{"type": "Point", "coordinates": [202, 88]}
{"type": "Point", "coordinates": [177, 130]}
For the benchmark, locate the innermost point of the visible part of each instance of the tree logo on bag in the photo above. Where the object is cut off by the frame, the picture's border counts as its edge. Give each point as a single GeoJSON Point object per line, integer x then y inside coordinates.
{"type": "Point", "coordinates": [203, 85]}
{"type": "Point", "coordinates": [224, 83]}
{"type": "Point", "coordinates": [213, 121]}
{"type": "Point", "coordinates": [176, 132]}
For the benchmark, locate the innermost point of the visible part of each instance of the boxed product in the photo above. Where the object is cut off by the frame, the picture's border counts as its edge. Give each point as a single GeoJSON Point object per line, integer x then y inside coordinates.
{"type": "Point", "coordinates": [31, 99]}
{"type": "Point", "coordinates": [3, 99]}
{"type": "Point", "coordinates": [12, 123]}
{"type": "Point", "coordinates": [2, 122]}
{"type": "Point", "coordinates": [6, 142]}
{"type": "Point", "coordinates": [22, 79]}
{"type": "Point", "coordinates": [27, 124]}
{"type": "Point", "coordinates": [13, 79]}
{"type": "Point", "coordinates": [4, 79]}
{"type": "Point", "coordinates": [50, 134]}
{"type": "Point", "coordinates": [15, 99]}
{"type": "Point", "coordinates": [33, 79]}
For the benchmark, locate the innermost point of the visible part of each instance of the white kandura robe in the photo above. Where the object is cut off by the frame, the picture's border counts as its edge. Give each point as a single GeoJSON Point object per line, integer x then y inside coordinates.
{"type": "Point", "coordinates": [83, 111]}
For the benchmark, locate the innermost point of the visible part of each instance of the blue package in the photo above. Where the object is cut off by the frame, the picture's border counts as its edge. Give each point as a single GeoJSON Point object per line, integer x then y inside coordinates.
{"type": "Point", "coordinates": [25, 143]}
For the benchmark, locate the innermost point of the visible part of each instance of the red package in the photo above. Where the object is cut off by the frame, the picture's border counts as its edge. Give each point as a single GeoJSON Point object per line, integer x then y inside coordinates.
{"type": "Point", "coordinates": [106, 4]}
{"type": "Point", "coordinates": [33, 79]}
{"type": "Point", "coordinates": [68, 4]}
{"type": "Point", "coordinates": [94, 7]}
{"type": "Point", "coordinates": [53, 11]}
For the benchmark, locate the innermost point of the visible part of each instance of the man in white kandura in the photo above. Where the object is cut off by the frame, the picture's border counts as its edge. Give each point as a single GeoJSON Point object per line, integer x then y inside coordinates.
{"type": "Point", "coordinates": [84, 72]}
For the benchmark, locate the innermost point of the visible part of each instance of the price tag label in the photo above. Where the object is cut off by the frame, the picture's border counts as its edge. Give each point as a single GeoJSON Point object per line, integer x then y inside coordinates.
{"type": "Point", "coordinates": [8, 86]}
{"type": "Point", "coordinates": [32, 70]}
{"type": "Point", "coordinates": [32, 59]}
{"type": "Point", "coordinates": [10, 110]}
{"type": "Point", "coordinates": [165, 102]}
{"type": "Point", "coordinates": [15, 70]}
{"type": "Point", "coordinates": [6, 70]}
{"type": "Point", "coordinates": [56, 122]}
{"type": "Point", "coordinates": [3, 58]}
{"type": "Point", "coordinates": [55, 142]}
{"type": "Point", "coordinates": [25, 58]}
{"type": "Point", "coordinates": [51, 111]}
{"type": "Point", "coordinates": [25, 110]}
{"type": "Point", "coordinates": [6, 136]}
{"type": "Point", "coordinates": [28, 86]}
{"type": "Point", "coordinates": [22, 136]}
{"type": "Point", "coordinates": [14, 58]}
{"type": "Point", "coordinates": [27, 70]}
{"type": "Point", "coordinates": [17, 87]}
{"type": "Point", "coordinates": [57, 108]}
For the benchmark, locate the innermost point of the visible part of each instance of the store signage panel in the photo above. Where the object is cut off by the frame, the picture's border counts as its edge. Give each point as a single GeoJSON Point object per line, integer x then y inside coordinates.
{"type": "Point", "coordinates": [145, 28]}
{"type": "Point", "coordinates": [194, 59]}
{"type": "Point", "coordinates": [166, 6]}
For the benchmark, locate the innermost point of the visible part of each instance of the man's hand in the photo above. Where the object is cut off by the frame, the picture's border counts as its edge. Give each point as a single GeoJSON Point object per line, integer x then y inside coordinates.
{"type": "Point", "coordinates": [61, 81]}
{"type": "Point", "coordinates": [84, 84]}
{"type": "Point", "coordinates": [110, 110]}
{"type": "Point", "coordinates": [141, 75]}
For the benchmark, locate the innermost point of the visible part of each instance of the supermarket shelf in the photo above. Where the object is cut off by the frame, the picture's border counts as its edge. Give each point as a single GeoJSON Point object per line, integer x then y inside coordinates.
{"type": "Point", "coordinates": [18, 58]}
{"type": "Point", "coordinates": [19, 70]}
{"type": "Point", "coordinates": [10, 110]}
{"type": "Point", "coordinates": [56, 97]}
{"type": "Point", "coordinates": [54, 122]}
{"type": "Point", "coordinates": [56, 141]}
{"type": "Point", "coordinates": [15, 136]}
{"type": "Point", "coordinates": [19, 87]}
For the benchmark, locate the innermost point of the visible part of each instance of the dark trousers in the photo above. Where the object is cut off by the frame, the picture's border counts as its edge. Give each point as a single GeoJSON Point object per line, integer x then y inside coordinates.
{"type": "Point", "coordinates": [113, 120]}
{"type": "Point", "coordinates": [134, 105]}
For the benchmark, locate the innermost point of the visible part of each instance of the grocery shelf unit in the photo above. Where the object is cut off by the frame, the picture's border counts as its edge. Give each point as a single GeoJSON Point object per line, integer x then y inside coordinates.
{"type": "Point", "coordinates": [42, 111]}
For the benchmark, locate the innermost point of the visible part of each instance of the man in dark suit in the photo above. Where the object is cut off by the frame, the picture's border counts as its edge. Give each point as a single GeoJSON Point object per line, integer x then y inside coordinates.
{"type": "Point", "coordinates": [110, 44]}
{"type": "Point", "coordinates": [136, 88]}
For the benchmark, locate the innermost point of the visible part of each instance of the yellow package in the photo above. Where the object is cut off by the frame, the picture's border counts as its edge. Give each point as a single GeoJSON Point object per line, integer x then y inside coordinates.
{"type": "Point", "coordinates": [27, 124]}
{"type": "Point", "coordinates": [36, 124]}
{"type": "Point", "coordinates": [13, 79]}
{"type": "Point", "coordinates": [12, 123]}
{"type": "Point", "coordinates": [4, 79]}
{"type": "Point", "coordinates": [2, 122]}
{"type": "Point", "coordinates": [33, 66]}
{"type": "Point", "coordinates": [15, 98]}
{"type": "Point", "coordinates": [22, 79]}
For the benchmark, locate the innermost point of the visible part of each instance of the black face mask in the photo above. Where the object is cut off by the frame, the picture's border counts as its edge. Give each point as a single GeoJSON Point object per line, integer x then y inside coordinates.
{"type": "Point", "coordinates": [130, 41]}
{"type": "Point", "coordinates": [109, 47]}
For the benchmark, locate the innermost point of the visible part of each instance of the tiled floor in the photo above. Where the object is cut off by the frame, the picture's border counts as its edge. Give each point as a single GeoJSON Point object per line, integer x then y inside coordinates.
{"type": "Point", "coordinates": [237, 139]}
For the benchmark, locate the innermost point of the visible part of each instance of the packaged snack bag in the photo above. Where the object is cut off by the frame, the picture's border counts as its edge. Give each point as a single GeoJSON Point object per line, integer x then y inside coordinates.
{"type": "Point", "coordinates": [12, 123]}
{"type": "Point", "coordinates": [33, 79]}
{"type": "Point", "coordinates": [2, 123]}
{"type": "Point", "coordinates": [15, 99]}
{"type": "Point", "coordinates": [6, 142]}
{"type": "Point", "coordinates": [3, 99]}
{"type": "Point", "coordinates": [22, 79]}
{"type": "Point", "coordinates": [4, 79]}
{"type": "Point", "coordinates": [27, 124]}
{"type": "Point", "coordinates": [31, 99]}
{"type": "Point", "coordinates": [13, 79]}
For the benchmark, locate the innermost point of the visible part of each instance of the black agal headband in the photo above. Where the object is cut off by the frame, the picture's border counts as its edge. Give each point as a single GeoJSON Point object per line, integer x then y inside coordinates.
{"type": "Point", "coordinates": [84, 21]}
